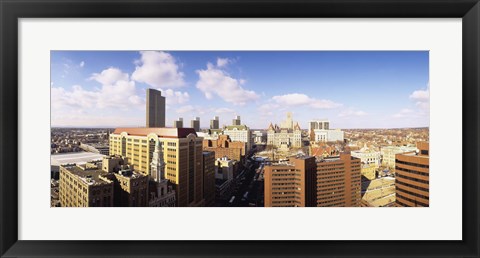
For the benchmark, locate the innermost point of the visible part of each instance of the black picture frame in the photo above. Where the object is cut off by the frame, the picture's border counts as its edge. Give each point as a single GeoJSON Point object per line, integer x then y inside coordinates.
{"type": "Point", "coordinates": [12, 10]}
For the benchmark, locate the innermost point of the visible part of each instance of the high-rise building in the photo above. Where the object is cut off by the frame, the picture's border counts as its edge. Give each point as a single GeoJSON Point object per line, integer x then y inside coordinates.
{"type": "Point", "coordinates": [215, 123]}
{"type": "Point", "coordinates": [209, 178]}
{"type": "Point", "coordinates": [195, 124]}
{"type": "Point", "coordinates": [155, 109]}
{"type": "Point", "coordinates": [178, 123]}
{"type": "Point", "coordinates": [236, 121]}
{"type": "Point", "coordinates": [291, 184]}
{"type": "Point", "coordinates": [306, 182]}
{"type": "Point", "coordinates": [183, 156]}
{"type": "Point", "coordinates": [412, 177]}
{"type": "Point", "coordinates": [339, 182]}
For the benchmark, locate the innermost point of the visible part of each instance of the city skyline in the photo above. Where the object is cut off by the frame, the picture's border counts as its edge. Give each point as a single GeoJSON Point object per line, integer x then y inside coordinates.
{"type": "Point", "coordinates": [353, 89]}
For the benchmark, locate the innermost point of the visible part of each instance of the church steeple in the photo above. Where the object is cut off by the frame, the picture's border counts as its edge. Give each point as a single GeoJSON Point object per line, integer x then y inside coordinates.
{"type": "Point", "coordinates": [158, 165]}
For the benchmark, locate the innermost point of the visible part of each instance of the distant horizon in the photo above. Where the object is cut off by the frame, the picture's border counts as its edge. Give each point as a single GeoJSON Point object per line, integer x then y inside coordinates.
{"type": "Point", "coordinates": [374, 89]}
{"type": "Point", "coordinates": [106, 127]}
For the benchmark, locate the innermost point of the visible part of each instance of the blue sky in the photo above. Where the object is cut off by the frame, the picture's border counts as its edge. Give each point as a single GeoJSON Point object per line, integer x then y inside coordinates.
{"type": "Point", "coordinates": [353, 89]}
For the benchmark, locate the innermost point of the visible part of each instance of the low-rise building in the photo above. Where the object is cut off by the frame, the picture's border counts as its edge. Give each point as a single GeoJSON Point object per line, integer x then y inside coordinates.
{"type": "Point", "coordinates": [284, 138]}
{"type": "Point", "coordinates": [319, 131]}
{"type": "Point", "coordinates": [95, 148]}
{"type": "Point", "coordinates": [105, 184]}
{"type": "Point", "coordinates": [225, 147]}
{"type": "Point", "coordinates": [239, 133]}
{"type": "Point", "coordinates": [378, 192]}
{"type": "Point", "coordinates": [388, 154]}
{"type": "Point", "coordinates": [370, 160]}
{"type": "Point", "coordinates": [85, 186]}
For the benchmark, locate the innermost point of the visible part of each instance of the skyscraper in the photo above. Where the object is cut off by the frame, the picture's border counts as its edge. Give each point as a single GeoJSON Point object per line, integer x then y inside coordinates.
{"type": "Point", "coordinates": [215, 123]}
{"type": "Point", "coordinates": [195, 124]}
{"type": "Point", "coordinates": [236, 121]}
{"type": "Point", "coordinates": [178, 123]}
{"type": "Point", "coordinates": [155, 109]}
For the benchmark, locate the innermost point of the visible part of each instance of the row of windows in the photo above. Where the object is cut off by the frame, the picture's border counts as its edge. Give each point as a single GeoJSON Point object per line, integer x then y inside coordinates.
{"type": "Point", "coordinates": [410, 164]}
{"type": "Point", "coordinates": [412, 179]}
{"type": "Point", "coordinates": [400, 170]}
{"type": "Point", "coordinates": [410, 193]}
{"type": "Point", "coordinates": [415, 202]}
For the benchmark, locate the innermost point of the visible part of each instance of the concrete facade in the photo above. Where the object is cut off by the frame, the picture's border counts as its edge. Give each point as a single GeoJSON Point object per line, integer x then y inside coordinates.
{"type": "Point", "coordinates": [155, 115]}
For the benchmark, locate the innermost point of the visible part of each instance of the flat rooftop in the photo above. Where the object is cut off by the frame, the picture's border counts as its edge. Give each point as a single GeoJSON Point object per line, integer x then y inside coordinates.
{"type": "Point", "coordinates": [162, 132]}
{"type": "Point", "coordinates": [76, 157]}
{"type": "Point", "coordinates": [94, 175]}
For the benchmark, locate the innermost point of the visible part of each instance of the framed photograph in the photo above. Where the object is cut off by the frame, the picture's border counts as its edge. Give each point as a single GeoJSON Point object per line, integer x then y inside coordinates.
{"type": "Point", "coordinates": [226, 128]}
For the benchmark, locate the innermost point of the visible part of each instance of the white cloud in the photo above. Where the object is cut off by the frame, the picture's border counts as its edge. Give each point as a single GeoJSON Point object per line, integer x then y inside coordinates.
{"type": "Point", "coordinates": [117, 91]}
{"type": "Point", "coordinates": [420, 95]}
{"type": "Point", "coordinates": [214, 81]}
{"type": "Point", "coordinates": [222, 62]}
{"type": "Point", "coordinates": [267, 109]}
{"type": "Point", "coordinates": [422, 103]}
{"type": "Point", "coordinates": [224, 111]}
{"type": "Point", "coordinates": [158, 69]}
{"type": "Point", "coordinates": [185, 109]}
{"type": "Point", "coordinates": [421, 98]}
{"type": "Point", "coordinates": [352, 113]}
{"type": "Point", "coordinates": [77, 98]}
{"type": "Point", "coordinates": [82, 64]}
{"type": "Point", "coordinates": [176, 97]}
{"type": "Point", "coordinates": [404, 113]}
{"type": "Point", "coordinates": [298, 99]}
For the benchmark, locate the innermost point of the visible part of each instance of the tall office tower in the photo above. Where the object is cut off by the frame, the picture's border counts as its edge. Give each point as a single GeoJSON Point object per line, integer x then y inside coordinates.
{"type": "Point", "coordinates": [195, 124]}
{"type": "Point", "coordinates": [215, 123]}
{"type": "Point", "coordinates": [183, 156]}
{"type": "Point", "coordinates": [236, 121]}
{"type": "Point", "coordinates": [155, 109]}
{"type": "Point", "coordinates": [178, 123]}
{"type": "Point", "coordinates": [412, 177]}
{"type": "Point", "coordinates": [209, 178]}
{"type": "Point", "coordinates": [339, 182]}
{"type": "Point", "coordinates": [291, 184]}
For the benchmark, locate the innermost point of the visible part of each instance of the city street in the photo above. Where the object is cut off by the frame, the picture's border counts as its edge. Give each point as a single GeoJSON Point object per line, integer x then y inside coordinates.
{"type": "Point", "coordinates": [247, 192]}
